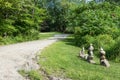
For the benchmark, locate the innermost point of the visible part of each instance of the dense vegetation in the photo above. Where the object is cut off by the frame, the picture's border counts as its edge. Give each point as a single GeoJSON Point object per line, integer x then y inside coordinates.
{"type": "Point", "coordinates": [61, 60]}
{"type": "Point", "coordinates": [96, 21]}
{"type": "Point", "coordinates": [20, 19]}
{"type": "Point", "coordinates": [98, 24]}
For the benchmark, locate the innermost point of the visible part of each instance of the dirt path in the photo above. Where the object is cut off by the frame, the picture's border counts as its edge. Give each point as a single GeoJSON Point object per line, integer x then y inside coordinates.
{"type": "Point", "coordinates": [14, 57]}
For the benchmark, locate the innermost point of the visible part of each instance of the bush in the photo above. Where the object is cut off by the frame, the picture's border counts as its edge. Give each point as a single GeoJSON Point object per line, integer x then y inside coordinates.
{"type": "Point", "coordinates": [105, 41]}
{"type": "Point", "coordinates": [114, 52]}
{"type": "Point", "coordinates": [98, 19]}
{"type": "Point", "coordinates": [84, 41]}
{"type": "Point", "coordinates": [98, 24]}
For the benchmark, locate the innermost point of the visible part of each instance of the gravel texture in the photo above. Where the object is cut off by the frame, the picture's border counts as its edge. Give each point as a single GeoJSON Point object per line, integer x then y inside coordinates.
{"type": "Point", "coordinates": [21, 55]}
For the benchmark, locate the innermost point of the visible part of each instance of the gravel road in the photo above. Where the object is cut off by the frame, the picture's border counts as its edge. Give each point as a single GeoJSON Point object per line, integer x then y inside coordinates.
{"type": "Point", "coordinates": [17, 56]}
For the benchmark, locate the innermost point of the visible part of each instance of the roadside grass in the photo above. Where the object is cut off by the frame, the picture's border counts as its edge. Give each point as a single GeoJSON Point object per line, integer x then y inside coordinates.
{"type": "Point", "coordinates": [61, 59]}
{"type": "Point", "coordinates": [45, 35]}
{"type": "Point", "coordinates": [35, 74]}
{"type": "Point", "coordinates": [32, 75]}
{"type": "Point", "coordinates": [22, 38]}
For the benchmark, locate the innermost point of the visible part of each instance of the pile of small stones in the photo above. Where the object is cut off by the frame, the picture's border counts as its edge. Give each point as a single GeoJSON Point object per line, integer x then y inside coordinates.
{"type": "Point", "coordinates": [90, 56]}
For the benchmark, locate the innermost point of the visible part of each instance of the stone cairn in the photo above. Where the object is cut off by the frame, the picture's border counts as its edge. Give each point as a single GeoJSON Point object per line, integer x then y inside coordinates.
{"type": "Point", "coordinates": [89, 57]}
{"type": "Point", "coordinates": [82, 54]}
{"type": "Point", "coordinates": [103, 60]}
{"type": "Point", "coordinates": [90, 54]}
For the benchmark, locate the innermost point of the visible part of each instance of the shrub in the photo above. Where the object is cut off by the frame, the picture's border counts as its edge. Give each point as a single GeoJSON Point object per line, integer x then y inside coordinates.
{"type": "Point", "coordinates": [98, 19]}
{"type": "Point", "coordinates": [105, 41]}
{"type": "Point", "coordinates": [114, 52]}
{"type": "Point", "coordinates": [98, 24]}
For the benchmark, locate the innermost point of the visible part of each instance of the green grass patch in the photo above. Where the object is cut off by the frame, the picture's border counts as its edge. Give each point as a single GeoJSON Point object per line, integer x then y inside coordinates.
{"type": "Point", "coordinates": [45, 35]}
{"type": "Point", "coordinates": [32, 75]}
{"type": "Point", "coordinates": [61, 59]}
{"type": "Point", "coordinates": [23, 38]}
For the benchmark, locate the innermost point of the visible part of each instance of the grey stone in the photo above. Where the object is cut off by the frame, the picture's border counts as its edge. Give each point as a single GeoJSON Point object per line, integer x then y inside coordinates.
{"type": "Point", "coordinates": [91, 48]}
{"type": "Point", "coordinates": [92, 61]}
{"type": "Point", "coordinates": [103, 60]}
{"type": "Point", "coordinates": [105, 63]}
{"type": "Point", "coordinates": [82, 54]}
{"type": "Point", "coordinates": [59, 78]}
{"type": "Point", "coordinates": [90, 54]}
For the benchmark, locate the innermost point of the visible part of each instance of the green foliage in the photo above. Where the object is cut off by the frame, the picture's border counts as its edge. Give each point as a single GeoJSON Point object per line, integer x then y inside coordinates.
{"type": "Point", "coordinates": [22, 72]}
{"type": "Point", "coordinates": [20, 18]}
{"type": "Point", "coordinates": [105, 41]}
{"type": "Point", "coordinates": [95, 19]}
{"type": "Point", "coordinates": [61, 60]}
{"type": "Point", "coordinates": [81, 39]}
{"type": "Point", "coordinates": [90, 22]}
{"type": "Point", "coordinates": [22, 38]}
{"type": "Point", "coordinates": [114, 52]}
{"type": "Point", "coordinates": [58, 11]}
{"type": "Point", "coordinates": [34, 75]}
{"type": "Point", "coordinates": [97, 24]}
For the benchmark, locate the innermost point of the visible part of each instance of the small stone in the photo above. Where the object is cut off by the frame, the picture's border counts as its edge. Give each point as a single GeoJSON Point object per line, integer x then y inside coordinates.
{"type": "Point", "coordinates": [105, 63]}
{"type": "Point", "coordinates": [102, 51]}
{"type": "Point", "coordinates": [90, 54]}
{"type": "Point", "coordinates": [103, 60]}
{"type": "Point", "coordinates": [55, 78]}
{"type": "Point", "coordinates": [92, 62]}
{"type": "Point", "coordinates": [82, 54]}
{"type": "Point", "coordinates": [86, 56]}
{"type": "Point", "coordinates": [91, 48]}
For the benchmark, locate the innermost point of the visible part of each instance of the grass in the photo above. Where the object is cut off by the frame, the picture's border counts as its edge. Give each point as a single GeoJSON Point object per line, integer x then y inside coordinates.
{"type": "Point", "coordinates": [33, 74]}
{"type": "Point", "coordinates": [45, 35]}
{"type": "Point", "coordinates": [61, 59]}
{"type": "Point", "coordinates": [22, 38]}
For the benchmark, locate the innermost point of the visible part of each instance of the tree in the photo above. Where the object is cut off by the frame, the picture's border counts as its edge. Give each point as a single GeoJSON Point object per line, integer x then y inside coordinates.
{"type": "Point", "coordinates": [20, 17]}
